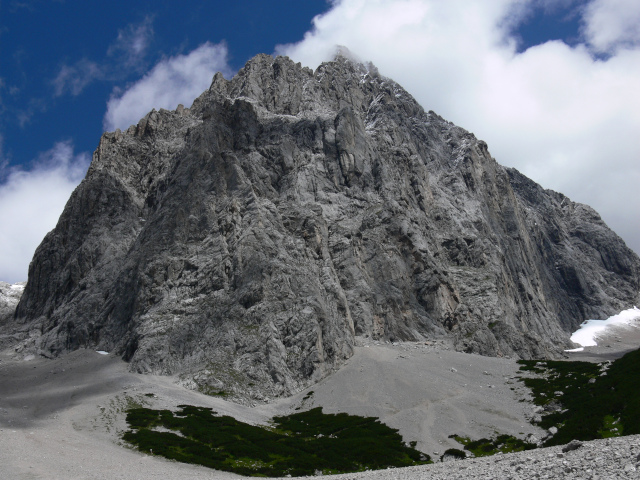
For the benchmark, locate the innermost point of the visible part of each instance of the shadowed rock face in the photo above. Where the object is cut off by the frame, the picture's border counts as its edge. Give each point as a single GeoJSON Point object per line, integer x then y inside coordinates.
{"type": "Point", "coordinates": [246, 242]}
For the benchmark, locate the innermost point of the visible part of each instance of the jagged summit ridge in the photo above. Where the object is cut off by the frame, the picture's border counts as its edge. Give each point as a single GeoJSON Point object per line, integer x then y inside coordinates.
{"type": "Point", "coordinates": [248, 241]}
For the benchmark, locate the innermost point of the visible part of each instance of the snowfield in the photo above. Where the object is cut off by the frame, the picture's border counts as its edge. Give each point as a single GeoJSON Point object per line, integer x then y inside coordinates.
{"type": "Point", "coordinates": [590, 330]}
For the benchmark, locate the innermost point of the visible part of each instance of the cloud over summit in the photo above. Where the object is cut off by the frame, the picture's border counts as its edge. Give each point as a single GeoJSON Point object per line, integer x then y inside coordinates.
{"type": "Point", "coordinates": [562, 114]}
{"type": "Point", "coordinates": [174, 80]}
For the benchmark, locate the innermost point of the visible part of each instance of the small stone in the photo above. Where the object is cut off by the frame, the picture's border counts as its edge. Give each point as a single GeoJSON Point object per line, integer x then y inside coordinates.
{"type": "Point", "coordinates": [531, 438]}
{"type": "Point", "coordinates": [553, 430]}
{"type": "Point", "coordinates": [572, 445]}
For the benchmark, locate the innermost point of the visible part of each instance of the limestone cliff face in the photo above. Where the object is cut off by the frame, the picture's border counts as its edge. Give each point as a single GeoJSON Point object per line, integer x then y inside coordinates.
{"type": "Point", "coordinates": [9, 298]}
{"type": "Point", "coordinates": [245, 243]}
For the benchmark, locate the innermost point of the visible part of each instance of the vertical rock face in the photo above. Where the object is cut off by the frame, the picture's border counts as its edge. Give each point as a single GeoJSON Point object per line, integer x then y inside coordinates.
{"type": "Point", "coordinates": [246, 242]}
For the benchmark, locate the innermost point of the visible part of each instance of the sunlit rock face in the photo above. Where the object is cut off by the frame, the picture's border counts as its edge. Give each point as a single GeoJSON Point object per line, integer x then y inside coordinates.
{"type": "Point", "coordinates": [247, 242]}
{"type": "Point", "coordinates": [9, 298]}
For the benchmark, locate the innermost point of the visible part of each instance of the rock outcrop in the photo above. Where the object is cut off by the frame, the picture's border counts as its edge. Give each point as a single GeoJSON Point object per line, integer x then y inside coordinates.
{"type": "Point", "coordinates": [245, 243]}
{"type": "Point", "coordinates": [9, 298]}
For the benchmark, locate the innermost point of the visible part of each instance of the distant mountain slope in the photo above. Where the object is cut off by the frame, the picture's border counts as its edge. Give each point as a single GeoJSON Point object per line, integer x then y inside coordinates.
{"type": "Point", "coordinates": [9, 298]}
{"type": "Point", "coordinates": [246, 242]}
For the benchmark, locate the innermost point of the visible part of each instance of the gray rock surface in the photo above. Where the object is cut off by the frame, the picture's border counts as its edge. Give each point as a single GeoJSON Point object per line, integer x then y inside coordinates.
{"type": "Point", "coordinates": [245, 243]}
{"type": "Point", "coordinates": [9, 298]}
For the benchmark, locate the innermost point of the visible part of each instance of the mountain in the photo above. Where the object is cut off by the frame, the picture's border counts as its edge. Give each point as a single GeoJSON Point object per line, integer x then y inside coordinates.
{"type": "Point", "coordinates": [9, 298]}
{"type": "Point", "coordinates": [248, 242]}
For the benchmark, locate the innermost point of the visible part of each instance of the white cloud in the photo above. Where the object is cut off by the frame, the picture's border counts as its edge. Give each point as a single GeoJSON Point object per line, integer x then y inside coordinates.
{"type": "Point", "coordinates": [3, 160]}
{"type": "Point", "coordinates": [127, 52]}
{"type": "Point", "coordinates": [612, 24]}
{"type": "Point", "coordinates": [73, 79]}
{"type": "Point", "coordinates": [32, 201]}
{"type": "Point", "coordinates": [175, 80]}
{"type": "Point", "coordinates": [557, 113]}
{"type": "Point", "coordinates": [133, 42]}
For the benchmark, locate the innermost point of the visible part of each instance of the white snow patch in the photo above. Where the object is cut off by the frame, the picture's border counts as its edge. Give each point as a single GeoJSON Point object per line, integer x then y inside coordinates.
{"type": "Point", "coordinates": [579, 349]}
{"type": "Point", "coordinates": [590, 329]}
{"type": "Point", "coordinates": [18, 286]}
{"type": "Point", "coordinates": [102, 352]}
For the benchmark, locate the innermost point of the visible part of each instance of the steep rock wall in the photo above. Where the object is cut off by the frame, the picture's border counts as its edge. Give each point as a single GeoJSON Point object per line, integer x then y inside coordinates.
{"type": "Point", "coordinates": [245, 243]}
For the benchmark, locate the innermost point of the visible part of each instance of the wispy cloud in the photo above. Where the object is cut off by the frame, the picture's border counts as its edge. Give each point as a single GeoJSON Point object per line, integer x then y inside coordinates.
{"type": "Point", "coordinates": [561, 114]}
{"type": "Point", "coordinates": [14, 6]}
{"type": "Point", "coordinates": [32, 202]}
{"type": "Point", "coordinates": [611, 25]}
{"type": "Point", "coordinates": [174, 80]}
{"type": "Point", "coordinates": [132, 43]}
{"type": "Point", "coordinates": [3, 160]}
{"type": "Point", "coordinates": [124, 57]}
{"type": "Point", "coordinates": [2, 86]}
{"type": "Point", "coordinates": [72, 79]}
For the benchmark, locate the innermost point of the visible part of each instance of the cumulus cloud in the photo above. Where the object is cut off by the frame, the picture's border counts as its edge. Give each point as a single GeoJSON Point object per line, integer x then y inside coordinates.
{"type": "Point", "coordinates": [174, 80]}
{"type": "Point", "coordinates": [561, 114]}
{"type": "Point", "coordinates": [72, 79]}
{"type": "Point", "coordinates": [612, 24]}
{"type": "Point", "coordinates": [32, 200]}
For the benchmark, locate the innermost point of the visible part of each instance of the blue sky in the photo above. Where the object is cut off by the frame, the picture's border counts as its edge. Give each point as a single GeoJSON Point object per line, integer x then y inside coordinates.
{"type": "Point", "coordinates": [551, 85]}
{"type": "Point", "coordinates": [60, 61]}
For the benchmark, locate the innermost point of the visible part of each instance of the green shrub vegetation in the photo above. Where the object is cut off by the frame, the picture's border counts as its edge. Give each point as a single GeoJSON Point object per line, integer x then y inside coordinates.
{"type": "Point", "coordinates": [453, 452]}
{"type": "Point", "coordinates": [594, 403]}
{"type": "Point", "coordinates": [583, 400]}
{"type": "Point", "coordinates": [298, 444]}
{"type": "Point", "coordinates": [485, 446]}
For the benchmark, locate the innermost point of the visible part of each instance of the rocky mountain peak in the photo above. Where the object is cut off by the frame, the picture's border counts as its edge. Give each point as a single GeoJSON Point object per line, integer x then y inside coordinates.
{"type": "Point", "coordinates": [248, 242]}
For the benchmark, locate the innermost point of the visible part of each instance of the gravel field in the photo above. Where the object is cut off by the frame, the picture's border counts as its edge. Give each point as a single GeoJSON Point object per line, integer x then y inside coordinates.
{"type": "Point", "coordinates": [61, 419]}
{"type": "Point", "coordinates": [599, 459]}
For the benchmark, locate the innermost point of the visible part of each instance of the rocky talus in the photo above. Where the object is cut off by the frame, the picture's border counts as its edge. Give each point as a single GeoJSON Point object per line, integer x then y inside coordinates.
{"type": "Point", "coordinates": [246, 242]}
{"type": "Point", "coordinates": [610, 459]}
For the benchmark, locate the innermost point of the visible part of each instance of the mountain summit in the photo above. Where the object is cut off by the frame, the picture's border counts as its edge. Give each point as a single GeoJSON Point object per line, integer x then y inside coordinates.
{"type": "Point", "coordinates": [248, 242]}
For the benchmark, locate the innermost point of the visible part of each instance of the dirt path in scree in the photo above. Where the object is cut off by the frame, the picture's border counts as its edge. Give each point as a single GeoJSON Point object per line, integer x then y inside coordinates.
{"type": "Point", "coordinates": [426, 392]}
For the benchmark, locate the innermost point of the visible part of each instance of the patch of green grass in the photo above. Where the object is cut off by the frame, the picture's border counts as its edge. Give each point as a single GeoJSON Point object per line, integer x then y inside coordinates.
{"type": "Point", "coordinates": [298, 444]}
{"type": "Point", "coordinates": [611, 427]}
{"type": "Point", "coordinates": [501, 444]}
{"type": "Point", "coordinates": [590, 402]}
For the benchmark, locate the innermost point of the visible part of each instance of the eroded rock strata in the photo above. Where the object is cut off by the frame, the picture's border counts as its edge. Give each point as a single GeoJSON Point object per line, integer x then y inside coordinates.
{"type": "Point", "coordinates": [246, 242]}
